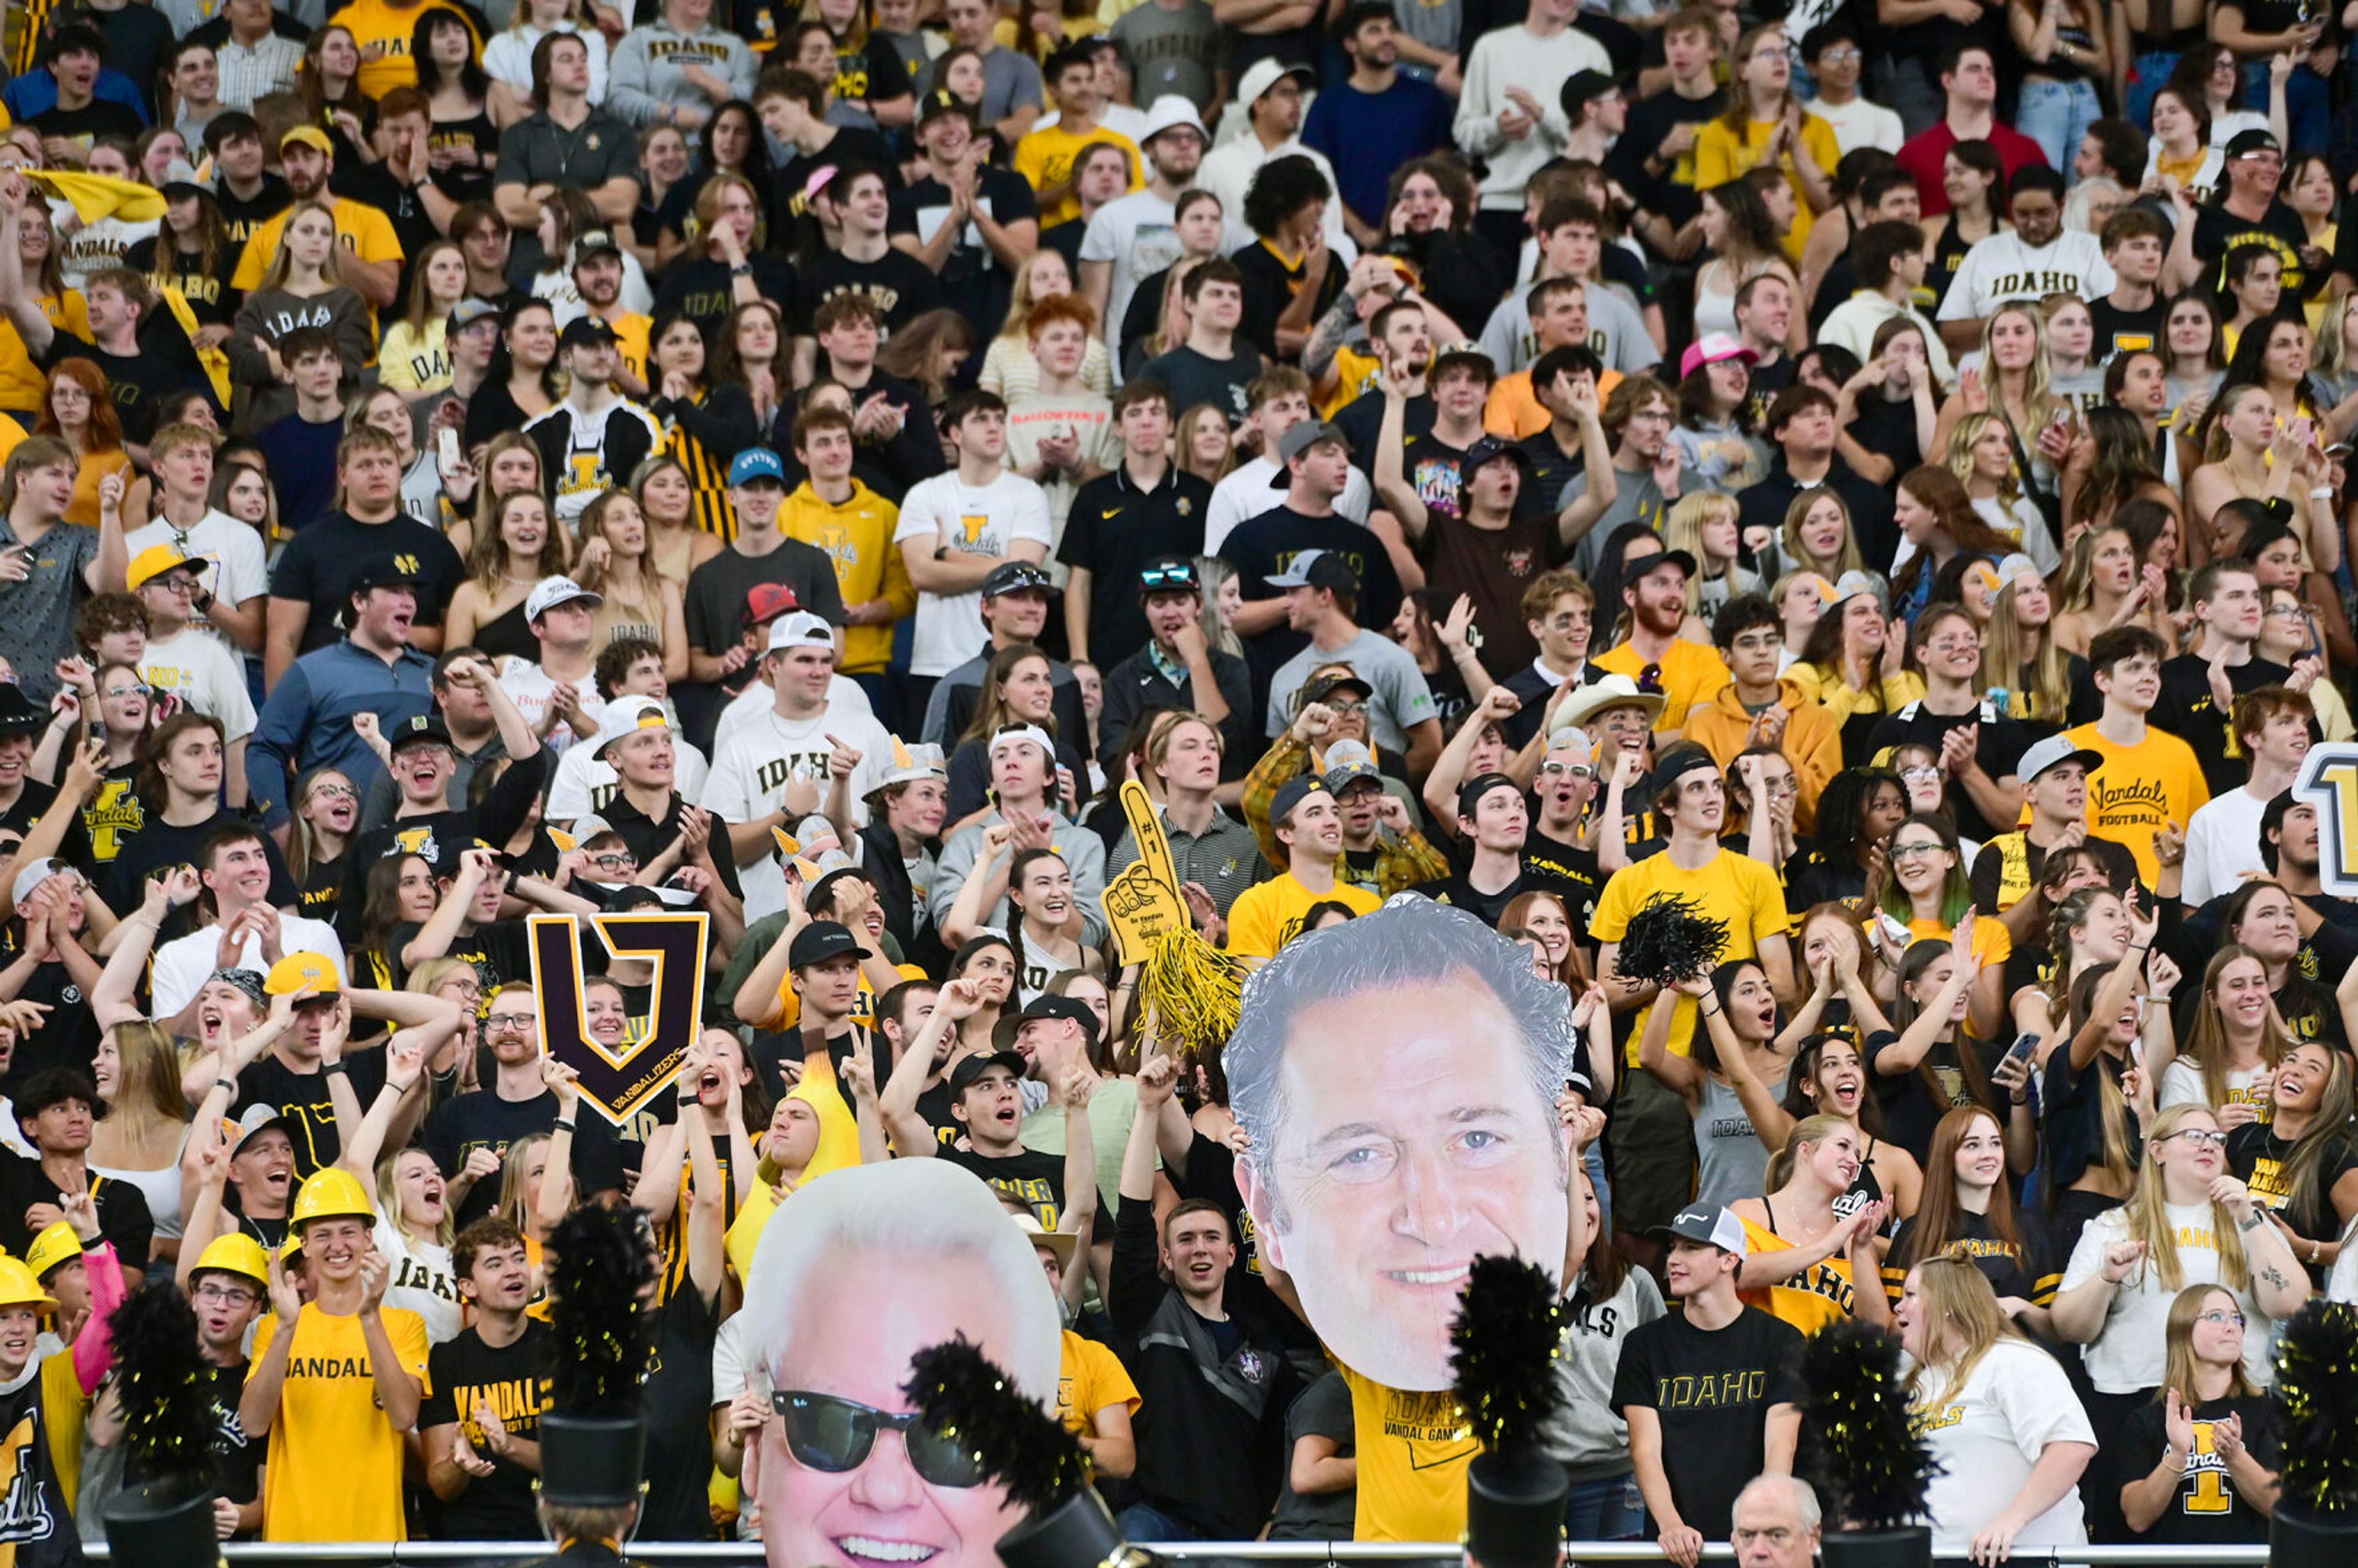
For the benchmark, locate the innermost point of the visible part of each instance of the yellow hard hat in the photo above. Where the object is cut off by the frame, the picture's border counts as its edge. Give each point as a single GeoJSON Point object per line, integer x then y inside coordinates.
{"type": "Point", "coordinates": [236, 1253]}
{"type": "Point", "coordinates": [331, 1194]}
{"type": "Point", "coordinates": [56, 1244]}
{"type": "Point", "coordinates": [296, 970]}
{"type": "Point", "coordinates": [19, 1288]}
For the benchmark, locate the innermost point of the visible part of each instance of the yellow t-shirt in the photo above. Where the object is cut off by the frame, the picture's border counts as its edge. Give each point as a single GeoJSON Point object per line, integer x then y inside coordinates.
{"type": "Point", "coordinates": [414, 360]}
{"type": "Point", "coordinates": [360, 228]}
{"type": "Point", "coordinates": [1355, 373]}
{"type": "Point", "coordinates": [1742, 892]}
{"type": "Point", "coordinates": [1092, 1378]}
{"type": "Point", "coordinates": [1992, 945]}
{"type": "Point", "coordinates": [1721, 155]}
{"type": "Point", "coordinates": [389, 25]}
{"type": "Point", "coordinates": [1046, 159]}
{"type": "Point", "coordinates": [95, 466]}
{"type": "Point", "coordinates": [1414, 1447]}
{"type": "Point", "coordinates": [1692, 675]}
{"type": "Point", "coordinates": [1818, 1295]}
{"type": "Point", "coordinates": [23, 384]}
{"type": "Point", "coordinates": [857, 538]}
{"type": "Point", "coordinates": [2137, 788]}
{"type": "Point", "coordinates": [1268, 915]}
{"type": "Point", "coordinates": [631, 330]}
{"type": "Point", "coordinates": [335, 1460]}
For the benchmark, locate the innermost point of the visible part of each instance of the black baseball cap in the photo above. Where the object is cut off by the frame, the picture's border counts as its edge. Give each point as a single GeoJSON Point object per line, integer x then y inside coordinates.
{"type": "Point", "coordinates": [1470, 793]}
{"type": "Point", "coordinates": [969, 1068]}
{"type": "Point", "coordinates": [388, 571]}
{"type": "Point", "coordinates": [822, 940]}
{"type": "Point", "coordinates": [1014, 577]}
{"type": "Point", "coordinates": [1318, 688]}
{"type": "Point", "coordinates": [1003, 1033]}
{"type": "Point", "coordinates": [1488, 447]}
{"type": "Point", "coordinates": [941, 100]}
{"type": "Point", "coordinates": [586, 330]}
{"type": "Point", "coordinates": [1677, 761]}
{"type": "Point", "coordinates": [1648, 565]}
{"type": "Point", "coordinates": [1293, 793]}
{"type": "Point", "coordinates": [418, 729]}
{"type": "Point", "coordinates": [1169, 574]}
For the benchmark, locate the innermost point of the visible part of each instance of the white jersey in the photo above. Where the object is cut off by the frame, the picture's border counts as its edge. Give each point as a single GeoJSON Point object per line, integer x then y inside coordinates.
{"type": "Point", "coordinates": [987, 520]}
{"type": "Point", "coordinates": [758, 761]}
{"type": "Point", "coordinates": [2001, 269]}
{"type": "Point", "coordinates": [198, 671]}
{"type": "Point", "coordinates": [234, 569]}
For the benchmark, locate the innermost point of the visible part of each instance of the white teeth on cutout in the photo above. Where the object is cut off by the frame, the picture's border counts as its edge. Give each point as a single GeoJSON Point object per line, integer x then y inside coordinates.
{"type": "Point", "coordinates": [1431, 1276]}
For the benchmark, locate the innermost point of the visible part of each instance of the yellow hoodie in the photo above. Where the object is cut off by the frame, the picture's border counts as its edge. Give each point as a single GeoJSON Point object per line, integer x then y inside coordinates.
{"type": "Point", "coordinates": [857, 538]}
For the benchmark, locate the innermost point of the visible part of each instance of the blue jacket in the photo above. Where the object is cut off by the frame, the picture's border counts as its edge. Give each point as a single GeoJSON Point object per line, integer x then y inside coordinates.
{"type": "Point", "coordinates": [35, 92]}
{"type": "Point", "coordinates": [308, 722]}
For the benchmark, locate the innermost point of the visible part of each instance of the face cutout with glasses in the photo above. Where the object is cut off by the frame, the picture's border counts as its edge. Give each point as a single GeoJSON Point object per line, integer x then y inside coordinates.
{"type": "Point", "coordinates": [833, 1435]}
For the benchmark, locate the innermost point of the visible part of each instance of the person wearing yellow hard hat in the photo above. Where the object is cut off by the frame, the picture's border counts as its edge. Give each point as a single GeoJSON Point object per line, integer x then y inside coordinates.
{"type": "Point", "coordinates": [335, 1381]}
{"type": "Point", "coordinates": [229, 1286]}
{"type": "Point", "coordinates": [72, 1252]}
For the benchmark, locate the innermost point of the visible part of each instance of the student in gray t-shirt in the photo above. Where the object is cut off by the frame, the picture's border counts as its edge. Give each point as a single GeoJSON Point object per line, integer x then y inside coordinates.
{"type": "Point", "coordinates": [1009, 81]}
{"type": "Point", "coordinates": [1399, 701]}
{"type": "Point", "coordinates": [1616, 333]}
{"type": "Point", "coordinates": [1174, 46]}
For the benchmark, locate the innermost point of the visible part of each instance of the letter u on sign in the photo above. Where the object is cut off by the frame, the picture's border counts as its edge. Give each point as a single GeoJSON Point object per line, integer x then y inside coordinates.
{"type": "Point", "coordinates": [2328, 784]}
{"type": "Point", "coordinates": [618, 1082]}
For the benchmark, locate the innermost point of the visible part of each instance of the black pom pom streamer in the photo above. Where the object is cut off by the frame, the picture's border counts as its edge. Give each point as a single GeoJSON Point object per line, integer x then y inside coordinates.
{"type": "Point", "coordinates": [2316, 1393]}
{"type": "Point", "coordinates": [601, 1263]}
{"type": "Point", "coordinates": [1503, 1349]}
{"type": "Point", "coordinates": [1859, 1445]}
{"type": "Point", "coordinates": [969, 1398]}
{"type": "Point", "coordinates": [1670, 940]}
{"type": "Point", "coordinates": [161, 1381]}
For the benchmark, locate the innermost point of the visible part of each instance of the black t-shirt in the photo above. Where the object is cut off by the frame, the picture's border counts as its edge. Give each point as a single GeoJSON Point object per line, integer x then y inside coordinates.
{"type": "Point", "coordinates": [1272, 286]}
{"type": "Point", "coordinates": [163, 363]}
{"type": "Point", "coordinates": [1886, 427]}
{"type": "Point", "coordinates": [500, 952]}
{"type": "Point", "coordinates": [2023, 1271]}
{"type": "Point", "coordinates": [1712, 1392]}
{"type": "Point", "coordinates": [699, 288]}
{"type": "Point", "coordinates": [2256, 1154]}
{"type": "Point", "coordinates": [1362, 419]}
{"type": "Point", "coordinates": [2206, 1509]}
{"type": "Point", "coordinates": [464, 1373]}
{"type": "Point", "coordinates": [321, 561]}
{"type": "Point", "coordinates": [1651, 120]}
{"type": "Point", "coordinates": [795, 229]}
{"type": "Point", "coordinates": [2217, 230]}
{"type": "Point", "coordinates": [158, 844]}
{"type": "Point", "coordinates": [973, 283]}
{"type": "Point", "coordinates": [209, 298]}
{"type": "Point", "coordinates": [1114, 530]}
{"type": "Point", "coordinates": [1999, 740]}
{"type": "Point", "coordinates": [648, 839]}
{"type": "Point", "coordinates": [1031, 1178]}
{"type": "Point", "coordinates": [901, 286]}
{"type": "Point", "coordinates": [2120, 331]}
{"type": "Point", "coordinates": [303, 1099]}
{"type": "Point", "coordinates": [123, 1215]}
{"type": "Point", "coordinates": [2194, 718]}
{"type": "Point", "coordinates": [457, 1128]}
{"type": "Point", "coordinates": [676, 1400]}
{"type": "Point", "coordinates": [237, 1463]}
{"type": "Point", "coordinates": [244, 217]}
{"type": "Point", "coordinates": [1260, 549]}
{"type": "Point", "coordinates": [94, 119]}
{"type": "Point", "coordinates": [1195, 378]}
{"type": "Point", "coordinates": [717, 590]}
{"type": "Point", "coordinates": [1461, 893]}
{"type": "Point", "coordinates": [1912, 1109]}
{"type": "Point", "coordinates": [2072, 1104]}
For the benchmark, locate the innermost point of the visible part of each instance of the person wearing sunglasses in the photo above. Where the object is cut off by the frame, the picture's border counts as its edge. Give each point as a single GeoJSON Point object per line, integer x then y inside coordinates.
{"type": "Point", "coordinates": [852, 1277]}
{"type": "Point", "coordinates": [2188, 1222]}
{"type": "Point", "coordinates": [1177, 669]}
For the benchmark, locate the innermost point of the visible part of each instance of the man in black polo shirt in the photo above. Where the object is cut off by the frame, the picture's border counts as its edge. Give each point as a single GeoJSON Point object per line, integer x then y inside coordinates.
{"type": "Point", "coordinates": [1148, 509]}
{"type": "Point", "coordinates": [1177, 669]}
{"type": "Point", "coordinates": [565, 145]}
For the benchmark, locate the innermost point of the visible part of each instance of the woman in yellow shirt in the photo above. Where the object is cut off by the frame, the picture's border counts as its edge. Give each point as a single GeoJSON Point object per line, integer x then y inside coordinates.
{"type": "Point", "coordinates": [1851, 664]}
{"type": "Point", "coordinates": [81, 411]}
{"type": "Point", "coordinates": [1928, 891]}
{"type": "Point", "coordinates": [23, 386]}
{"type": "Point", "coordinates": [1765, 123]}
{"type": "Point", "coordinates": [1805, 1257]}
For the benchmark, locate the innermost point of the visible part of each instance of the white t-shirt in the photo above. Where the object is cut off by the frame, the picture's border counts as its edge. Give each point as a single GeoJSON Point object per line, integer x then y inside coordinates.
{"type": "Point", "coordinates": [584, 784]}
{"type": "Point", "coordinates": [530, 688]}
{"type": "Point", "coordinates": [508, 56]}
{"type": "Point", "coordinates": [2002, 268]}
{"type": "Point", "coordinates": [1858, 124]}
{"type": "Point", "coordinates": [183, 966]}
{"type": "Point", "coordinates": [988, 521]}
{"type": "Point", "coordinates": [199, 669]}
{"type": "Point", "coordinates": [1245, 494]}
{"type": "Point", "coordinates": [843, 696]}
{"type": "Point", "coordinates": [2181, 1084]}
{"type": "Point", "coordinates": [234, 568]}
{"type": "Point", "coordinates": [758, 759]}
{"type": "Point", "coordinates": [2128, 1353]}
{"type": "Point", "coordinates": [422, 1280]}
{"type": "Point", "coordinates": [2223, 842]}
{"type": "Point", "coordinates": [1988, 1436]}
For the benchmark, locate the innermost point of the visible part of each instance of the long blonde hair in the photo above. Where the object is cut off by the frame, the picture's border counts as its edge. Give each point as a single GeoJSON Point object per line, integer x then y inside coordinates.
{"type": "Point", "coordinates": [388, 1196]}
{"type": "Point", "coordinates": [2148, 1213]}
{"type": "Point", "coordinates": [1959, 459]}
{"type": "Point", "coordinates": [1796, 553]}
{"type": "Point", "coordinates": [1684, 532]}
{"type": "Point", "coordinates": [2206, 1042]}
{"type": "Point", "coordinates": [2038, 400]}
{"type": "Point", "coordinates": [2041, 686]}
{"type": "Point", "coordinates": [147, 1075]}
{"type": "Point", "coordinates": [331, 271]}
{"type": "Point", "coordinates": [1959, 1303]}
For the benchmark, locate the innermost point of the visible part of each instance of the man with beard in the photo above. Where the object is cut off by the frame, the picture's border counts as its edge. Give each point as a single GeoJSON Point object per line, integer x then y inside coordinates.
{"type": "Point", "coordinates": [1688, 674]}
{"type": "Point", "coordinates": [480, 1424]}
{"type": "Point", "coordinates": [1374, 120]}
{"type": "Point", "coordinates": [229, 1286]}
{"type": "Point", "coordinates": [1654, 1149]}
{"type": "Point", "coordinates": [972, 224]}
{"type": "Point", "coordinates": [372, 253]}
{"type": "Point", "coordinates": [1178, 670]}
{"type": "Point", "coordinates": [1399, 338]}
{"type": "Point", "coordinates": [1133, 237]}
{"type": "Point", "coordinates": [469, 1134]}
{"type": "Point", "coordinates": [1639, 414]}
{"type": "Point", "coordinates": [597, 278]}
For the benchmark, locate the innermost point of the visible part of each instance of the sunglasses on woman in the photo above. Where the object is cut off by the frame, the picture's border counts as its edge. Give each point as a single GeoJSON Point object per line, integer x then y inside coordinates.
{"type": "Point", "coordinates": [831, 1435]}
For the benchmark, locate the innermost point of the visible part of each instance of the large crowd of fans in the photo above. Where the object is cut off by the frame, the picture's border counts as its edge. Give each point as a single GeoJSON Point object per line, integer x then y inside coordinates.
{"type": "Point", "coordinates": [1880, 474]}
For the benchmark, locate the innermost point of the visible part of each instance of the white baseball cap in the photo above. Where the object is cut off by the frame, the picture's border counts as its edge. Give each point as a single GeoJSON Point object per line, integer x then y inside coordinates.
{"type": "Point", "coordinates": [800, 629]}
{"type": "Point", "coordinates": [551, 591]}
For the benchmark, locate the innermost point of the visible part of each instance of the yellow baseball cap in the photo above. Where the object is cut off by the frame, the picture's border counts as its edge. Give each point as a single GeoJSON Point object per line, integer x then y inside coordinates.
{"type": "Point", "coordinates": [154, 562]}
{"type": "Point", "coordinates": [296, 970]}
{"type": "Point", "coordinates": [56, 1245]}
{"type": "Point", "coordinates": [309, 137]}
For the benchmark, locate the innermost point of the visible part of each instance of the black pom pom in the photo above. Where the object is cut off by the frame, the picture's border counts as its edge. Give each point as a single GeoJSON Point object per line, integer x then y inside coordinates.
{"type": "Point", "coordinates": [1670, 940]}
{"type": "Point", "coordinates": [1022, 1446]}
{"type": "Point", "coordinates": [601, 1263]}
{"type": "Point", "coordinates": [2316, 1393]}
{"type": "Point", "coordinates": [159, 1379]}
{"type": "Point", "coordinates": [1503, 1349]}
{"type": "Point", "coordinates": [1859, 1446]}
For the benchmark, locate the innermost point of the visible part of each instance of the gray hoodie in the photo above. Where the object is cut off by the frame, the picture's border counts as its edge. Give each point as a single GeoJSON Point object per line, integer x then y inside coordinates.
{"type": "Point", "coordinates": [644, 78]}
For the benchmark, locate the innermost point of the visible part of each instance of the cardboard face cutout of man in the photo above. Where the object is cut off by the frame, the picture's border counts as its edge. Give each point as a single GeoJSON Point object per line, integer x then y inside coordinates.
{"type": "Point", "coordinates": [854, 1276]}
{"type": "Point", "coordinates": [1397, 1075]}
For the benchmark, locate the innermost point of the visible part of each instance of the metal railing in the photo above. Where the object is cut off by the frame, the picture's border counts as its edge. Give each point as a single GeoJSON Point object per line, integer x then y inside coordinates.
{"type": "Point", "coordinates": [1340, 1553]}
